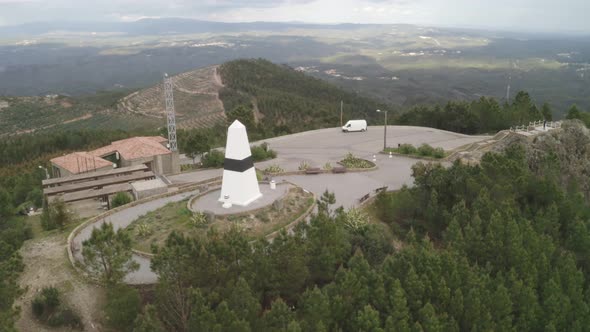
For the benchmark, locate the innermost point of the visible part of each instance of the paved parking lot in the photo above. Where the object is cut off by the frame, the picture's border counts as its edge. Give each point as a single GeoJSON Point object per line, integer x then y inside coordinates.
{"type": "Point", "coordinates": [319, 147]}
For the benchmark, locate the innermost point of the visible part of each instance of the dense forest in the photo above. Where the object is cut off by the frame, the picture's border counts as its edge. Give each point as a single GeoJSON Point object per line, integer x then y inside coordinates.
{"type": "Point", "coordinates": [485, 115]}
{"type": "Point", "coordinates": [277, 100]}
{"type": "Point", "coordinates": [499, 246]}
{"type": "Point", "coordinates": [286, 101]}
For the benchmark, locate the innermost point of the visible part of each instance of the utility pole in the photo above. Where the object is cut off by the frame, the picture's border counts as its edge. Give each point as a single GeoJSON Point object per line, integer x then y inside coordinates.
{"type": "Point", "coordinates": [46, 172]}
{"type": "Point", "coordinates": [508, 88]}
{"type": "Point", "coordinates": [384, 130]}
{"type": "Point", "coordinates": [341, 104]}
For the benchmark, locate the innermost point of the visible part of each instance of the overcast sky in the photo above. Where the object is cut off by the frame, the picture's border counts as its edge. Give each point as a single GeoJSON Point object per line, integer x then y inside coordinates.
{"type": "Point", "coordinates": [530, 15]}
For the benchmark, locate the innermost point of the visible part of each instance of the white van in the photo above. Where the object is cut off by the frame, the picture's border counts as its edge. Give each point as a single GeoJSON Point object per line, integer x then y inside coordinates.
{"type": "Point", "coordinates": [355, 125]}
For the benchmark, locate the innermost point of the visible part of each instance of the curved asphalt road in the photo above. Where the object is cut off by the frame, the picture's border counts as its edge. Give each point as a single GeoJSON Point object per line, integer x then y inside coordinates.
{"type": "Point", "coordinates": [316, 147]}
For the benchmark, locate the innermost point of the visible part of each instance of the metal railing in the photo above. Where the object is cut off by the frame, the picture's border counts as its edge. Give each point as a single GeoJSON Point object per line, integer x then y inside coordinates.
{"type": "Point", "coordinates": [533, 125]}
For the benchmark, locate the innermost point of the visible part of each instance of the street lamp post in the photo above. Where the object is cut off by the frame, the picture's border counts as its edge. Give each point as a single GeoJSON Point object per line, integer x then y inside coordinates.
{"type": "Point", "coordinates": [384, 130]}
{"type": "Point", "coordinates": [46, 172]}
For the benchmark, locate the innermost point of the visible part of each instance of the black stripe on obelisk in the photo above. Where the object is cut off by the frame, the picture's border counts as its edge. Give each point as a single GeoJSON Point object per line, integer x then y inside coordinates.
{"type": "Point", "coordinates": [238, 165]}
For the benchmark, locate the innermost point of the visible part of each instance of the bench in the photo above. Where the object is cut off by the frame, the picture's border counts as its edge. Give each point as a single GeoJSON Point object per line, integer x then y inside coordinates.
{"type": "Point", "coordinates": [364, 198]}
{"type": "Point", "coordinates": [382, 189]}
{"type": "Point", "coordinates": [313, 170]}
{"type": "Point", "coordinates": [339, 169]}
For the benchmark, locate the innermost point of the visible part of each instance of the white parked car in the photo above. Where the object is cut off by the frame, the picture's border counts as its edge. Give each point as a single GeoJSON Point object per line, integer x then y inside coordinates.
{"type": "Point", "coordinates": [355, 125]}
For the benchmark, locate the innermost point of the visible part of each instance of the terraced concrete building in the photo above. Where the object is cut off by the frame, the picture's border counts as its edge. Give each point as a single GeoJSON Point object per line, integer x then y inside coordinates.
{"type": "Point", "coordinates": [151, 151]}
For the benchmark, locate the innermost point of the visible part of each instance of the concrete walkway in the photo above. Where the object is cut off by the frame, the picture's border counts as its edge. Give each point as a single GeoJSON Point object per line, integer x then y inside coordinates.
{"type": "Point", "coordinates": [210, 201]}
{"type": "Point", "coordinates": [123, 219]}
{"type": "Point", "coordinates": [317, 148]}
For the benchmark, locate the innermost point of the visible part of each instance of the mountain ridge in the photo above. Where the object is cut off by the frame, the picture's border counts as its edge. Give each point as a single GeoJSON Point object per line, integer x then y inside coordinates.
{"type": "Point", "coordinates": [277, 95]}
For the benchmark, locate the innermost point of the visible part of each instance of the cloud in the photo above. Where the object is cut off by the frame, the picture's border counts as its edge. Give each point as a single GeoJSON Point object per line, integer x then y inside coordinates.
{"type": "Point", "coordinates": [547, 15]}
{"type": "Point", "coordinates": [15, 2]}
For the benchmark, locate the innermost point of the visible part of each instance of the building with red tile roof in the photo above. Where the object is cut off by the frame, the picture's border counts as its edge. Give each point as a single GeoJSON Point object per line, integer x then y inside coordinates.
{"type": "Point", "coordinates": [135, 147]}
{"type": "Point", "coordinates": [148, 150]}
{"type": "Point", "coordinates": [78, 162]}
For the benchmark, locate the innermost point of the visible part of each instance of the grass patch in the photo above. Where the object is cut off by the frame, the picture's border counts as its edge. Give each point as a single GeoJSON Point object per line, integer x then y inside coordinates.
{"type": "Point", "coordinates": [350, 161]}
{"type": "Point", "coordinates": [423, 150]}
{"type": "Point", "coordinates": [37, 231]}
{"type": "Point", "coordinates": [273, 169]}
{"type": "Point", "coordinates": [154, 227]}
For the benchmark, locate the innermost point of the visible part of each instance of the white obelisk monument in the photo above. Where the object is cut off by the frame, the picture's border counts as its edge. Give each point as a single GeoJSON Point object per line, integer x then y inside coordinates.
{"type": "Point", "coordinates": [239, 185]}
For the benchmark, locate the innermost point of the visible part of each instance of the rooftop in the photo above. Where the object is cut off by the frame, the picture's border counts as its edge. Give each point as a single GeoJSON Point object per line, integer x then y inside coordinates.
{"type": "Point", "coordinates": [134, 147]}
{"type": "Point", "coordinates": [129, 149]}
{"type": "Point", "coordinates": [80, 162]}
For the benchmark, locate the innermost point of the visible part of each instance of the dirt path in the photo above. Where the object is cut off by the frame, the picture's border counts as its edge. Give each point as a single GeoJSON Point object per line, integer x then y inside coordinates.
{"type": "Point", "coordinates": [46, 264]}
{"type": "Point", "coordinates": [217, 77]}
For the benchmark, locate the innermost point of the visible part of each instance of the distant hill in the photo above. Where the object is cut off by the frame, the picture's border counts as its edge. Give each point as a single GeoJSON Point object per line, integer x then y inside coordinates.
{"type": "Point", "coordinates": [161, 26]}
{"type": "Point", "coordinates": [196, 99]}
{"type": "Point", "coordinates": [21, 115]}
{"type": "Point", "coordinates": [283, 101]}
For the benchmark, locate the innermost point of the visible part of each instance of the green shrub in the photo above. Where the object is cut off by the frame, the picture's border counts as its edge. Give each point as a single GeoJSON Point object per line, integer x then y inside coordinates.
{"type": "Point", "coordinates": [426, 150]}
{"type": "Point", "coordinates": [51, 297]}
{"type": "Point", "coordinates": [65, 317]}
{"type": "Point", "coordinates": [213, 158]}
{"type": "Point", "coordinates": [38, 306]}
{"type": "Point", "coordinates": [144, 230]}
{"type": "Point", "coordinates": [350, 161]}
{"type": "Point", "coordinates": [48, 308]}
{"type": "Point", "coordinates": [123, 305]}
{"type": "Point", "coordinates": [199, 219]}
{"type": "Point", "coordinates": [438, 153]}
{"type": "Point", "coordinates": [55, 215]}
{"type": "Point", "coordinates": [262, 152]}
{"type": "Point", "coordinates": [406, 149]}
{"type": "Point", "coordinates": [184, 168]}
{"type": "Point", "coordinates": [273, 169]}
{"type": "Point", "coordinates": [303, 166]}
{"type": "Point", "coordinates": [328, 166]}
{"type": "Point", "coordinates": [355, 220]}
{"type": "Point", "coordinates": [120, 199]}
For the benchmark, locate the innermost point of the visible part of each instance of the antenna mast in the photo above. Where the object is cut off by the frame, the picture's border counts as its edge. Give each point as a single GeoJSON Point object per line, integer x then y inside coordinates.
{"type": "Point", "coordinates": [509, 81]}
{"type": "Point", "coordinates": [171, 115]}
{"type": "Point", "coordinates": [508, 88]}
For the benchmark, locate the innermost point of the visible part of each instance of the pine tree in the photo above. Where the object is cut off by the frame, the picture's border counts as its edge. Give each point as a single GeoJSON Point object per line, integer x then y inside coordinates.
{"type": "Point", "coordinates": [278, 317]}
{"type": "Point", "coordinates": [501, 308]}
{"type": "Point", "coordinates": [242, 302]}
{"type": "Point", "coordinates": [368, 320]}
{"type": "Point", "coordinates": [315, 308]}
{"type": "Point", "coordinates": [414, 290]}
{"type": "Point", "coordinates": [148, 321]}
{"type": "Point", "coordinates": [429, 320]}
{"type": "Point", "coordinates": [399, 317]}
{"type": "Point", "coordinates": [108, 254]}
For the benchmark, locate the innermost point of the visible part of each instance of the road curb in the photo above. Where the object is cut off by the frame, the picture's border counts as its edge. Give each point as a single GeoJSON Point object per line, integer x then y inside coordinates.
{"type": "Point", "coordinates": [101, 218]}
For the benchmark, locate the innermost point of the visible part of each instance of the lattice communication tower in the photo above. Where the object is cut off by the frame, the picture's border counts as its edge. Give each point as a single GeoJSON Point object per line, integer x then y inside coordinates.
{"type": "Point", "coordinates": [170, 113]}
